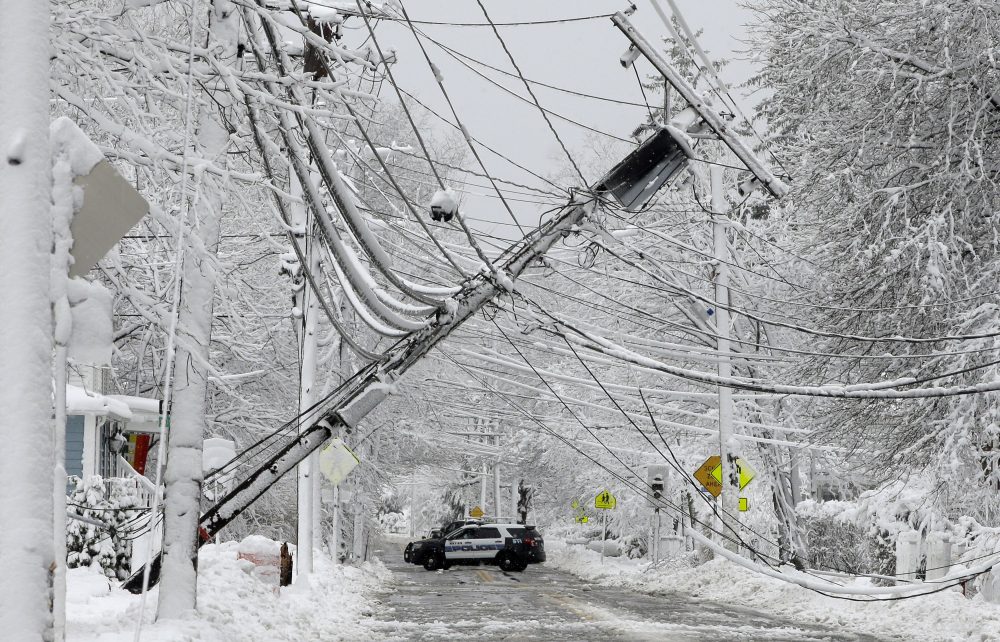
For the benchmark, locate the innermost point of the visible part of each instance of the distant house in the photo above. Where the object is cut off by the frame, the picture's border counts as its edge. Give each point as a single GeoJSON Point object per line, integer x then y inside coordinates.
{"type": "Point", "coordinates": [108, 434]}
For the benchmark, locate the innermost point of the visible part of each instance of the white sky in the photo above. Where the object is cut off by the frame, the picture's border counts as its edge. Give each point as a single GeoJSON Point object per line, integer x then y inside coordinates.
{"type": "Point", "coordinates": [582, 56]}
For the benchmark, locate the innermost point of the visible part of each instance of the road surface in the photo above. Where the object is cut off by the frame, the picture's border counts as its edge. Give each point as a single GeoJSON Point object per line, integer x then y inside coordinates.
{"type": "Point", "coordinates": [484, 603]}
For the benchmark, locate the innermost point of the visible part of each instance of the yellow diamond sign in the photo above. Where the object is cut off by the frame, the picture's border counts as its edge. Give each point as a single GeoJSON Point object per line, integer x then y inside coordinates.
{"type": "Point", "coordinates": [746, 473]}
{"type": "Point", "coordinates": [476, 513]}
{"type": "Point", "coordinates": [605, 500]}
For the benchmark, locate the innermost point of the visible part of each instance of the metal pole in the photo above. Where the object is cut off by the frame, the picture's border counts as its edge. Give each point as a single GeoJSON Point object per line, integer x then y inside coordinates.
{"type": "Point", "coordinates": [604, 542]}
{"type": "Point", "coordinates": [656, 536]}
{"type": "Point", "coordinates": [514, 485]}
{"type": "Point", "coordinates": [496, 490]}
{"type": "Point", "coordinates": [413, 506]}
{"type": "Point", "coordinates": [482, 487]}
{"type": "Point", "coordinates": [727, 445]}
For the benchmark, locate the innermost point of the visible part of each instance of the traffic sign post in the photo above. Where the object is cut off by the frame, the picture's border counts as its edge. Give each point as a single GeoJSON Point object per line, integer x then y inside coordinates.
{"type": "Point", "coordinates": [605, 501]}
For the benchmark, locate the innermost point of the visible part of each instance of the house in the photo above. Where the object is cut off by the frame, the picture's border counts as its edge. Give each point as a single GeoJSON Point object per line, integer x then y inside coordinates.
{"type": "Point", "coordinates": [109, 435]}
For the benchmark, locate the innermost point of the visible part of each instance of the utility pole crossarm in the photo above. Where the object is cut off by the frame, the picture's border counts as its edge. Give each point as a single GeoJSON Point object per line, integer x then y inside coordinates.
{"type": "Point", "coordinates": [771, 182]}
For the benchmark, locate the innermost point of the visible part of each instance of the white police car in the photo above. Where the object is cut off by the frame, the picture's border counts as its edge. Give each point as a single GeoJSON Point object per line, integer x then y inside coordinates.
{"type": "Point", "coordinates": [510, 546]}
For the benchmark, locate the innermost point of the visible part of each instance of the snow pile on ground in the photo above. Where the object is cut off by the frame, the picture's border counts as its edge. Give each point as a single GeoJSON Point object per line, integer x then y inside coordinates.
{"type": "Point", "coordinates": [336, 604]}
{"type": "Point", "coordinates": [946, 615]}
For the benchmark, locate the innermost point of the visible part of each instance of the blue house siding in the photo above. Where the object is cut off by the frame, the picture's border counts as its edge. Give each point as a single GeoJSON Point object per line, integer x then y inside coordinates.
{"type": "Point", "coordinates": [74, 445]}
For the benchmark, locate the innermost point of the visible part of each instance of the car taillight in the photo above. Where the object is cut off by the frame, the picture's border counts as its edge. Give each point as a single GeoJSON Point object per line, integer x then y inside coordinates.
{"type": "Point", "coordinates": [529, 541]}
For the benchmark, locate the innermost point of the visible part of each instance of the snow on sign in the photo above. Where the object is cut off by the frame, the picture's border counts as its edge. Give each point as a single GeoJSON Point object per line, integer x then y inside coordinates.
{"type": "Point", "coordinates": [710, 474]}
{"type": "Point", "coordinates": [336, 461]}
{"type": "Point", "coordinates": [605, 500]}
{"type": "Point", "coordinates": [110, 205]}
{"type": "Point", "coordinates": [746, 473]}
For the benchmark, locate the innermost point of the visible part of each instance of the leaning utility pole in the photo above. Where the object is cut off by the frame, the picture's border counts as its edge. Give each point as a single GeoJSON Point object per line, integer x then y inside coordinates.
{"type": "Point", "coordinates": [27, 557]}
{"type": "Point", "coordinates": [727, 445]}
{"type": "Point", "coordinates": [638, 176]}
{"type": "Point", "coordinates": [347, 409]}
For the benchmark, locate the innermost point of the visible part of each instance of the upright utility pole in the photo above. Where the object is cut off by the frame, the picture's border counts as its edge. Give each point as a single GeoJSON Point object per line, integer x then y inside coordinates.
{"type": "Point", "coordinates": [26, 460]}
{"type": "Point", "coordinates": [482, 486]}
{"type": "Point", "coordinates": [308, 468]}
{"type": "Point", "coordinates": [727, 445]}
{"type": "Point", "coordinates": [496, 489]}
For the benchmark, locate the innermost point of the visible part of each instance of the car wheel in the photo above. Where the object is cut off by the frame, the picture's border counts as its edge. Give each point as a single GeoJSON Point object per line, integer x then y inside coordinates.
{"type": "Point", "coordinates": [507, 562]}
{"type": "Point", "coordinates": [521, 565]}
{"type": "Point", "coordinates": [433, 561]}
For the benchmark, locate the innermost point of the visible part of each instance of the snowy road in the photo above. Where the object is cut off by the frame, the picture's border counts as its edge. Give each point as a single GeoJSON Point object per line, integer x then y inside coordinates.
{"type": "Point", "coordinates": [545, 604]}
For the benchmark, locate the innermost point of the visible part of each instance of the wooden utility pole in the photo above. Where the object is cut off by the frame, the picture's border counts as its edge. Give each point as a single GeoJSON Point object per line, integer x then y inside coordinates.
{"type": "Point", "coordinates": [727, 445]}
{"type": "Point", "coordinates": [308, 469]}
{"type": "Point", "coordinates": [27, 558]}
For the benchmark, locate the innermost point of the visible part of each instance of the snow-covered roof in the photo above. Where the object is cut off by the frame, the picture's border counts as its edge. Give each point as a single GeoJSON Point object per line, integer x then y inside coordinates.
{"type": "Point", "coordinates": [80, 401]}
{"type": "Point", "coordinates": [139, 404]}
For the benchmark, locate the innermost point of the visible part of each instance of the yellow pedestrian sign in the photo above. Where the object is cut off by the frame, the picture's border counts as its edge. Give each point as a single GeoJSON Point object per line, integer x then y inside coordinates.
{"type": "Point", "coordinates": [746, 473]}
{"type": "Point", "coordinates": [476, 513]}
{"type": "Point", "coordinates": [575, 505]}
{"type": "Point", "coordinates": [605, 500]}
{"type": "Point", "coordinates": [582, 519]}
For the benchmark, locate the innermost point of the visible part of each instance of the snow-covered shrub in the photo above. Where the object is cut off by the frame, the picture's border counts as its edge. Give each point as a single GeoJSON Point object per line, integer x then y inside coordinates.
{"type": "Point", "coordinates": [836, 544]}
{"type": "Point", "coordinates": [393, 522]}
{"type": "Point", "coordinates": [633, 546]}
{"type": "Point", "coordinates": [113, 502]}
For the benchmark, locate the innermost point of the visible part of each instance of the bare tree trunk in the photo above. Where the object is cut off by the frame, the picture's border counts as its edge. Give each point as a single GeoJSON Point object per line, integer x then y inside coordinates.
{"type": "Point", "coordinates": [188, 422]}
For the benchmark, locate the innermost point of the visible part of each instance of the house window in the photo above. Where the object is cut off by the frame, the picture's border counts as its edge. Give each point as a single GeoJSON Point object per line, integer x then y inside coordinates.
{"type": "Point", "coordinates": [74, 445]}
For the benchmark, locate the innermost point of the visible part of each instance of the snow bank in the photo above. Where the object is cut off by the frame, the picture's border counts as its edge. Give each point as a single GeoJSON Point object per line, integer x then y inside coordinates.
{"type": "Point", "coordinates": [942, 616]}
{"type": "Point", "coordinates": [232, 605]}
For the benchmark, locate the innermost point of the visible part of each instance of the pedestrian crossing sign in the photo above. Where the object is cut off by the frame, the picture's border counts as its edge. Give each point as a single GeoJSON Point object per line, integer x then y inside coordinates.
{"type": "Point", "coordinates": [476, 513]}
{"type": "Point", "coordinates": [605, 500]}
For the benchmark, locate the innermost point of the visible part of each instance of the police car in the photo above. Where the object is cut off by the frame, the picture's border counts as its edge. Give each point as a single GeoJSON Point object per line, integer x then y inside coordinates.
{"type": "Point", "coordinates": [510, 546]}
{"type": "Point", "coordinates": [436, 534]}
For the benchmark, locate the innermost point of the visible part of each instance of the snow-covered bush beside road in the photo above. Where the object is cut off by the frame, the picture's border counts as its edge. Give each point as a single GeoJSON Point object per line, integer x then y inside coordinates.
{"type": "Point", "coordinates": [232, 604]}
{"type": "Point", "coordinates": [943, 616]}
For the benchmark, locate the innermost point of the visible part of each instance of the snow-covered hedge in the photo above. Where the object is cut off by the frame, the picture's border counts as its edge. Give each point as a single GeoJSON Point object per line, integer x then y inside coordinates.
{"type": "Point", "coordinates": [113, 502]}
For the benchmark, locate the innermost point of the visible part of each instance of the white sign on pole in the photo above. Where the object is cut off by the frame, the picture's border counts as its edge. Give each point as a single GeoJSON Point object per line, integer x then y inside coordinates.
{"type": "Point", "coordinates": [110, 205]}
{"type": "Point", "coordinates": [336, 461]}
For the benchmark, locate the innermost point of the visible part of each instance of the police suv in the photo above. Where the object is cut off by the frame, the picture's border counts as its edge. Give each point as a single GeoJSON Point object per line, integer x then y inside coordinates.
{"type": "Point", "coordinates": [510, 546]}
